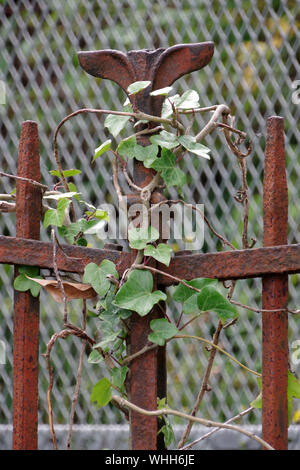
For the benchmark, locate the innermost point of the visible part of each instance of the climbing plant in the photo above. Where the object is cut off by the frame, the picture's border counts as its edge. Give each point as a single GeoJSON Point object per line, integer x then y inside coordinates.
{"type": "Point", "coordinates": [109, 300]}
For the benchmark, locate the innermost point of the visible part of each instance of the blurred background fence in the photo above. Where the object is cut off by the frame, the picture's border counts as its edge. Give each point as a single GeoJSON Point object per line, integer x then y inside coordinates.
{"type": "Point", "coordinates": [256, 60]}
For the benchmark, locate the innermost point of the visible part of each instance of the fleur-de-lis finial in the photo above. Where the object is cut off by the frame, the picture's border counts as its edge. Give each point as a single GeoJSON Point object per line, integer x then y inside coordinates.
{"type": "Point", "coordinates": [161, 66]}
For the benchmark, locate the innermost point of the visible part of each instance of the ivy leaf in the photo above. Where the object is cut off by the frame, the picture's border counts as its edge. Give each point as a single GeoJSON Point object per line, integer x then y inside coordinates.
{"type": "Point", "coordinates": [135, 87]}
{"type": "Point", "coordinates": [66, 173]}
{"type": "Point", "coordinates": [126, 148]}
{"type": "Point", "coordinates": [162, 91]}
{"type": "Point", "coordinates": [101, 149]}
{"type": "Point", "coordinates": [136, 294]}
{"type": "Point", "coordinates": [162, 253]}
{"type": "Point", "coordinates": [210, 299]}
{"type": "Point", "coordinates": [167, 109]}
{"type": "Point", "coordinates": [165, 140]}
{"type": "Point", "coordinates": [118, 376]}
{"type": "Point", "coordinates": [188, 100]}
{"type": "Point", "coordinates": [139, 237]}
{"type": "Point", "coordinates": [162, 330]}
{"type": "Point", "coordinates": [190, 144]}
{"type": "Point", "coordinates": [22, 283]}
{"type": "Point", "coordinates": [147, 155]}
{"type": "Point", "coordinates": [98, 214]}
{"type": "Point", "coordinates": [95, 357]}
{"type": "Point", "coordinates": [293, 391]}
{"type": "Point", "coordinates": [56, 216]}
{"type": "Point", "coordinates": [182, 293]}
{"type": "Point", "coordinates": [257, 402]}
{"type": "Point", "coordinates": [101, 392]}
{"type": "Point", "coordinates": [115, 123]}
{"type": "Point", "coordinates": [96, 276]}
{"type": "Point", "coordinates": [166, 166]}
{"type": "Point", "coordinates": [71, 231]}
{"type": "Point", "coordinates": [167, 430]}
{"type": "Point", "coordinates": [73, 188]}
{"type": "Point", "coordinates": [108, 340]}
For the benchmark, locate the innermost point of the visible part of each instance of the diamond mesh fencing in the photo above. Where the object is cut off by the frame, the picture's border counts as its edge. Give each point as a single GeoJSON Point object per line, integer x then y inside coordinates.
{"type": "Point", "coordinates": [256, 60]}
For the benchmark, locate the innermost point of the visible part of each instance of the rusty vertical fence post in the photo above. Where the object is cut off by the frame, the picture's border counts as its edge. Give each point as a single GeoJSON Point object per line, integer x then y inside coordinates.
{"type": "Point", "coordinates": [275, 293]}
{"type": "Point", "coordinates": [26, 307]}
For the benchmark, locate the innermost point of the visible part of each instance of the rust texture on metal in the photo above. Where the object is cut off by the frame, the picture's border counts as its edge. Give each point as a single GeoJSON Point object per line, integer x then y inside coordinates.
{"type": "Point", "coordinates": [161, 67]}
{"type": "Point", "coordinates": [26, 307]}
{"type": "Point", "coordinates": [275, 293]}
{"type": "Point", "coordinates": [238, 264]}
{"type": "Point", "coordinates": [69, 258]}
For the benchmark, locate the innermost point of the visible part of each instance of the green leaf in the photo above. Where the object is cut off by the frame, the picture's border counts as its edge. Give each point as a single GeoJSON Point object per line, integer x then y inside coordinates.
{"type": "Point", "coordinates": [66, 173]}
{"type": "Point", "coordinates": [190, 144]}
{"type": "Point", "coordinates": [31, 271]}
{"type": "Point", "coordinates": [210, 299]}
{"type": "Point", "coordinates": [129, 148]}
{"type": "Point", "coordinates": [293, 391]}
{"type": "Point", "coordinates": [81, 242]}
{"type": "Point", "coordinates": [161, 403]}
{"type": "Point", "coordinates": [147, 155]}
{"type": "Point", "coordinates": [182, 293]}
{"type": "Point", "coordinates": [107, 343]}
{"type": "Point", "coordinates": [162, 91]}
{"type": "Point", "coordinates": [162, 330]}
{"type": "Point", "coordinates": [139, 237]}
{"type": "Point", "coordinates": [96, 276]}
{"type": "Point", "coordinates": [109, 268]}
{"type": "Point", "coordinates": [98, 214]}
{"type": "Point", "coordinates": [138, 86]}
{"type": "Point", "coordinates": [257, 403]}
{"type": "Point", "coordinates": [73, 189]}
{"type": "Point", "coordinates": [22, 283]}
{"type": "Point", "coordinates": [167, 109]}
{"type": "Point", "coordinates": [166, 166]}
{"type": "Point", "coordinates": [165, 140]}
{"type": "Point", "coordinates": [71, 231]}
{"type": "Point", "coordinates": [101, 149]}
{"type": "Point", "coordinates": [56, 216]}
{"type": "Point", "coordinates": [126, 148]}
{"type": "Point", "coordinates": [115, 123]}
{"type": "Point", "coordinates": [188, 100]}
{"type": "Point", "coordinates": [118, 376]}
{"type": "Point", "coordinates": [169, 436]}
{"type": "Point", "coordinates": [162, 253]}
{"type": "Point", "coordinates": [101, 392]}
{"type": "Point", "coordinates": [136, 294]}
{"type": "Point", "coordinates": [95, 357]}
{"type": "Point", "coordinates": [190, 306]}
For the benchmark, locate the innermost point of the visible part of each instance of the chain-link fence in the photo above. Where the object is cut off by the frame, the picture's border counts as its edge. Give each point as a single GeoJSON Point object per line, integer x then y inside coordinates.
{"type": "Point", "coordinates": [256, 61]}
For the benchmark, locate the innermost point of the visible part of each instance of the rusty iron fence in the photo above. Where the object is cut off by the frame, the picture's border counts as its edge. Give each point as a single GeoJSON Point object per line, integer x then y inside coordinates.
{"type": "Point", "coordinates": [37, 70]}
{"type": "Point", "coordinates": [148, 374]}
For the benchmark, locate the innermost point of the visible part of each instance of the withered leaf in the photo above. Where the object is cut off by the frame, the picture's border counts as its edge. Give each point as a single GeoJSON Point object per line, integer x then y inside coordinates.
{"type": "Point", "coordinates": [73, 290]}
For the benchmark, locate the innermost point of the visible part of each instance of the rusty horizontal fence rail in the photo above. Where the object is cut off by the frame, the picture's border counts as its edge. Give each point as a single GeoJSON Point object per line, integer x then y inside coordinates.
{"type": "Point", "coordinates": [223, 265]}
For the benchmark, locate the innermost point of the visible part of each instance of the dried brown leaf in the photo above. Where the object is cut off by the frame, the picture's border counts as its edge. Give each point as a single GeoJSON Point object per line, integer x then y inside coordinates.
{"type": "Point", "coordinates": [73, 290]}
